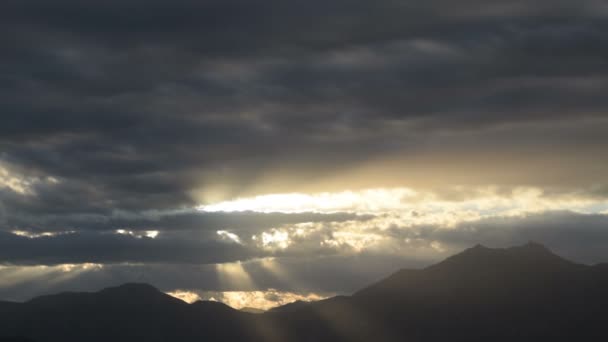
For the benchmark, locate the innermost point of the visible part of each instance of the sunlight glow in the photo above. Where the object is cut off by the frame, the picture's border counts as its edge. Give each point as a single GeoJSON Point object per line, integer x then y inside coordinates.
{"type": "Point", "coordinates": [271, 266]}
{"type": "Point", "coordinates": [358, 241]}
{"type": "Point", "coordinates": [187, 296]}
{"type": "Point", "coordinates": [229, 236]}
{"type": "Point", "coordinates": [19, 183]}
{"type": "Point", "coordinates": [151, 234]}
{"type": "Point", "coordinates": [262, 300]}
{"type": "Point", "coordinates": [406, 207]}
{"type": "Point", "coordinates": [394, 212]}
{"type": "Point", "coordinates": [32, 235]}
{"type": "Point", "coordinates": [16, 184]}
{"type": "Point", "coordinates": [275, 239]}
{"type": "Point", "coordinates": [234, 275]}
{"type": "Point", "coordinates": [80, 267]}
{"type": "Point", "coordinates": [372, 200]}
{"type": "Point", "coordinates": [49, 275]}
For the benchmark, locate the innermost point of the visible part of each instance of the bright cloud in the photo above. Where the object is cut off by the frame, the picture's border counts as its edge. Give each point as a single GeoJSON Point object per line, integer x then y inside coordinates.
{"type": "Point", "coordinates": [396, 209]}
{"type": "Point", "coordinates": [263, 300]}
{"type": "Point", "coordinates": [186, 296]}
{"type": "Point", "coordinates": [152, 234]}
{"type": "Point", "coordinates": [275, 239]}
{"type": "Point", "coordinates": [229, 236]}
{"type": "Point", "coordinates": [366, 201]}
{"type": "Point", "coordinates": [34, 235]}
{"type": "Point", "coordinates": [404, 206]}
{"type": "Point", "coordinates": [19, 183]}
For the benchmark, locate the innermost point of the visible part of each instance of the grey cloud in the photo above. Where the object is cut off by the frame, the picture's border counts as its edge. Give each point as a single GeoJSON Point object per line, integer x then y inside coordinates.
{"type": "Point", "coordinates": [581, 238]}
{"type": "Point", "coordinates": [28, 219]}
{"type": "Point", "coordinates": [135, 107]}
{"type": "Point", "coordinates": [116, 248]}
{"type": "Point", "coordinates": [182, 238]}
{"type": "Point", "coordinates": [578, 237]}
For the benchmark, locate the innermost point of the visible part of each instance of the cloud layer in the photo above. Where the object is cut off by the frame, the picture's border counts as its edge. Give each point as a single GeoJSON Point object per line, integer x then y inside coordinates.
{"type": "Point", "coordinates": [136, 105]}
{"type": "Point", "coordinates": [122, 120]}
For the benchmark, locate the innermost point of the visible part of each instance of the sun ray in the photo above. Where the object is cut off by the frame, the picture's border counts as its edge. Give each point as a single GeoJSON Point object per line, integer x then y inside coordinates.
{"type": "Point", "coordinates": [234, 276]}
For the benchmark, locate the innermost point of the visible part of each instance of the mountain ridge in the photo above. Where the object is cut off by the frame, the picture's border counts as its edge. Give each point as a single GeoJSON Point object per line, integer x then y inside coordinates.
{"type": "Point", "coordinates": [524, 293]}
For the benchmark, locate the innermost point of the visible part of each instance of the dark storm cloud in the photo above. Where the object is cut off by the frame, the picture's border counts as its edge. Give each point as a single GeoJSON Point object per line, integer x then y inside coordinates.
{"type": "Point", "coordinates": [184, 247]}
{"type": "Point", "coordinates": [61, 212]}
{"type": "Point", "coordinates": [135, 106]}
{"type": "Point", "coordinates": [115, 248]}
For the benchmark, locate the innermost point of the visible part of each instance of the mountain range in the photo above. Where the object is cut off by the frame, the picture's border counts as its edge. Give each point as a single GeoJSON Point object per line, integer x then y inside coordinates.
{"type": "Point", "coordinates": [523, 293]}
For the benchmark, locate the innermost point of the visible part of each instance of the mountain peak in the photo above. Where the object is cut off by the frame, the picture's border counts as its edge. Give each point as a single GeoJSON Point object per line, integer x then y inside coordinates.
{"type": "Point", "coordinates": [529, 247]}
{"type": "Point", "coordinates": [479, 267]}
{"type": "Point", "coordinates": [479, 247]}
{"type": "Point", "coordinates": [479, 256]}
{"type": "Point", "coordinates": [137, 293]}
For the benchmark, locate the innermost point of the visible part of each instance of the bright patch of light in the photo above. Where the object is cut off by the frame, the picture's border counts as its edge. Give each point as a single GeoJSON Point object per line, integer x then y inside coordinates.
{"type": "Point", "coordinates": [436, 245]}
{"type": "Point", "coordinates": [21, 184]}
{"type": "Point", "coordinates": [187, 296]}
{"type": "Point", "coordinates": [276, 239]}
{"type": "Point", "coordinates": [398, 216]}
{"type": "Point", "coordinates": [406, 207]}
{"type": "Point", "coordinates": [372, 200]}
{"type": "Point", "coordinates": [233, 275]}
{"type": "Point", "coordinates": [229, 236]}
{"type": "Point", "coordinates": [32, 235]}
{"type": "Point", "coordinates": [262, 300]}
{"type": "Point", "coordinates": [13, 182]}
{"type": "Point", "coordinates": [11, 276]}
{"type": "Point", "coordinates": [151, 234]}
{"type": "Point", "coordinates": [80, 267]}
{"type": "Point", "coordinates": [353, 239]}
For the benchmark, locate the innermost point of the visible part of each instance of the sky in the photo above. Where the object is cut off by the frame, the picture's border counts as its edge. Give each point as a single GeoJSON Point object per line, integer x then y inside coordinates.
{"type": "Point", "coordinates": [260, 152]}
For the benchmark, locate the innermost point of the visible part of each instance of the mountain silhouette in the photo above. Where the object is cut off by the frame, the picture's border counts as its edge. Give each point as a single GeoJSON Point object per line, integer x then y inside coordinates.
{"type": "Point", "coordinates": [523, 293]}
{"type": "Point", "coordinates": [480, 268]}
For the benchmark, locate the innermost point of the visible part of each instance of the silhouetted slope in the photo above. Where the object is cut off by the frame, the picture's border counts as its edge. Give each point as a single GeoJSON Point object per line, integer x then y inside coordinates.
{"type": "Point", "coordinates": [15, 339]}
{"type": "Point", "coordinates": [8, 306]}
{"type": "Point", "coordinates": [479, 269]}
{"type": "Point", "coordinates": [124, 313]}
{"type": "Point", "coordinates": [523, 293]}
{"type": "Point", "coordinates": [131, 310]}
{"type": "Point", "coordinates": [496, 294]}
{"type": "Point", "coordinates": [290, 307]}
{"type": "Point", "coordinates": [514, 294]}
